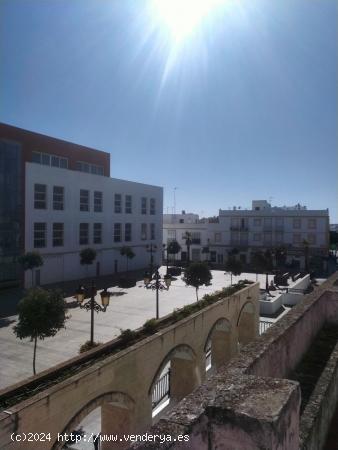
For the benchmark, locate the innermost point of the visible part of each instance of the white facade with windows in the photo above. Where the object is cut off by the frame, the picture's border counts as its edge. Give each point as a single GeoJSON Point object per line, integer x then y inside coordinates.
{"type": "Point", "coordinates": [262, 227]}
{"type": "Point", "coordinates": [67, 211]}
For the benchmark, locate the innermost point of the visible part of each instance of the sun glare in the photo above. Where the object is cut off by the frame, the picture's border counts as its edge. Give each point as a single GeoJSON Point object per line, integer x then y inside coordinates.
{"type": "Point", "coordinates": [182, 17]}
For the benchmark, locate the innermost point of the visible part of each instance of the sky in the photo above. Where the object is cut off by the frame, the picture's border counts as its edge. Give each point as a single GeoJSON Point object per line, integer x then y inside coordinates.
{"type": "Point", "coordinates": [235, 104]}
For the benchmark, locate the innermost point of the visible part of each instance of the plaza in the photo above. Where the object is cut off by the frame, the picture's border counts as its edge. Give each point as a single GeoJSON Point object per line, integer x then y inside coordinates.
{"type": "Point", "coordinates": [128, 308]}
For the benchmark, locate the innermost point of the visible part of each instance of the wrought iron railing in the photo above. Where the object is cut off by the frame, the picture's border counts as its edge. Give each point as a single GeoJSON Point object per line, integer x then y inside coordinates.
{"type": "Point", "coordinates": [208, 358]}
{"type": "Point", "coordinates": [264, 325]}
{"type": "Point", "coordinates": [161, 389]}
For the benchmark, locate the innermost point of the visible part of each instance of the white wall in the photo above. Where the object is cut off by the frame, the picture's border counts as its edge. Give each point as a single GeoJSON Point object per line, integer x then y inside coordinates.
{"type": "Point", "coordinates": [62, 263]}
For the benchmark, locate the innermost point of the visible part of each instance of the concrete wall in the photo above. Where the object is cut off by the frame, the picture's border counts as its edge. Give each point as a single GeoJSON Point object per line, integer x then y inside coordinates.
{"type": "Point", "coordinates": [271, 306]}
{"type": "Point", "coordinates": [293, 298]}
{"type": "Point", "coordinates": [239, 408]}
{"type": "Point", "coordinates": [126, 378]}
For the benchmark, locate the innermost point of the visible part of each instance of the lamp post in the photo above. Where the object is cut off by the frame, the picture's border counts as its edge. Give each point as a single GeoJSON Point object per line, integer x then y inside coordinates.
{"type": "Point", "coordinates": [165, 249]}
{"type": "Point", "coordinates": [91, 305]}
{"type": "Point", "coordinates": [157, 285]}
{"type": "Point", "coordinates": [188, 242]}
{"type": "Point", "coordinates": [152, 248]}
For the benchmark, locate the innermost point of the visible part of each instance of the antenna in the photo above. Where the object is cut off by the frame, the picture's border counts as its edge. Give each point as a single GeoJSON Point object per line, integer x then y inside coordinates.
{"type": "Point", "coordinates": [175, 200]}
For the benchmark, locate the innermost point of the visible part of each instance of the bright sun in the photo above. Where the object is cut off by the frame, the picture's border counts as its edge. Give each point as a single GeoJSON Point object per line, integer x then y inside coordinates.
{"type": "Point", "coordinates": [182, 17]}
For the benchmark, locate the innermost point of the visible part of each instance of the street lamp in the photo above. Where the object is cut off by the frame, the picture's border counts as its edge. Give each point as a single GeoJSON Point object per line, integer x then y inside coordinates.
{"type": "Point", "coordinates": [91, 305]}
{"type": "Point", "coordinates": [154, 283]}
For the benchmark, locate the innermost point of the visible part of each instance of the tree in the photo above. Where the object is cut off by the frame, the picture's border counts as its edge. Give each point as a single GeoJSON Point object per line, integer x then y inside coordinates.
{"type": "Point", "coordinates": [173, 248]}
{"type": "Point", "coordinates": [188, 242]}
{"type": "Point", "coordinates": [233, 266]}
{"type": "Point", "coordinates": [41, 314]}
{"type": "Point", "coordinates": [281, 255]}
{"type": "Point", "coordinates": [258, 262]}
{"type": "Point", "coordinates": [306, 246]}
{"type": "Point", "coordinates": [197, 274]}
{"type": "Point", "coordinates": [31, 261]}
{"type": "Point", "coordinates": [128, 253]}
{"type": "Point", "coordinates": [87, 257]}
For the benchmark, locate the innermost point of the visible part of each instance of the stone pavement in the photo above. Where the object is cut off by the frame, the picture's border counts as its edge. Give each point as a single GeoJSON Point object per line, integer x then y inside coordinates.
{"type": "Point", "coordinates": [128, 310]}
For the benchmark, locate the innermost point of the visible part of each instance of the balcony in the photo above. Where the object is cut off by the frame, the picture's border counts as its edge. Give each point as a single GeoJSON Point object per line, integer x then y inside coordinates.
{"type": "Point", "coordinates": [239, 228]}
{"type": "Point", "coordinates": [196, 241]}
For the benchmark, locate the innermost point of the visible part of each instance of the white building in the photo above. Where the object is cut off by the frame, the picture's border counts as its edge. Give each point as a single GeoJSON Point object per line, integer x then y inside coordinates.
{"type": "Point", "coordinates": [263, 227]}
{"type": "Point", "coordinates": [67, 211]}
{"type": "Point", "coordinates": [57, 198]}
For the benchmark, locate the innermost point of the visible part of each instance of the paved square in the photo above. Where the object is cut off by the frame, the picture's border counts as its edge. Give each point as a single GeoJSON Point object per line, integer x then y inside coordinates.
{"type": "Point", "coordinates": [129, 310]}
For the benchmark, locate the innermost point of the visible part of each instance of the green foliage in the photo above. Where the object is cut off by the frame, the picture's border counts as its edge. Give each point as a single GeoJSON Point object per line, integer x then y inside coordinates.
{"type": "Point", "coordinates": [150, 326]}
{"type": "Point", "coordinates": [127, 251]}
{"type": "Point", "coordinates": [88, 346]}
{"type": "Point", "coordinates": [127, 336]}
{"type": "Point", "coordinates": [234, 266]}
{"type": "Point", "coordinates": [41, 314]}
{"type": "Point", "coordinates": [173, 248]}
{"type": "Point", "coordinates": [87, 256]}
{"type": "Point", "coordinates": [333, 238]}
{"type": "Point", "coordinates": [197, 274]}
{"type": "Point", "coordinates": [30, 260]}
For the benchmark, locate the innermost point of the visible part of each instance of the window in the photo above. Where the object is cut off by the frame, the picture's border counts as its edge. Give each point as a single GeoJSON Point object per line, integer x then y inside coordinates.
{"type": "Point", "coordinates": [45, 159]}
{"type": "Point", "coordinates": [279, 223]}
{"type": "Point", "coordinates": [171, 236]}
{"type": "Point", "coordinates": [311, 238]}
{"type": "Point", "coordinates": [40, 196]}
{"type": "Point", "coordinates": [117, 232]}
{"type": "Point", "coordinates": [39, 234]}
{"type": "Point", "coordinates": [143, 205]}
{"type": "Point", "coordinates": [97, 201]}
{"type": "Point", "coordinates": [213, 256]}
{"type": "Point", "coordinates": [143, 231]}
{"type": "Point", "coordinates": [257, 222]}
{"type": "Point", "coordinates": [296, 238]}
{"type": "Point", "coordinates": [89, 168]}
{"type": "Point", "coordinates": [218, 237]}
{"type": "Point", "coordinates": [234, 222]}
{"type": "Point", "coordinates": [195, 237]}
{"type": "Point", "coordinates": [297, 222]}
{"type": "Point", "coordinates": [257, 237]}
{"type": "Point", "coordinates": [57, 234]}
{"type": "Point", "coordinates": [152, 231]}
{"type": "Point", "coordinates": [181, 220]}
{"type": "Point", "coordinates": [127, 232]}
{"type": "Point", "coordinates": [267, 223]}
{"type": "Point", "coordinates": [97, 233]}
{"type": "Point", "coordinates": [117, 203]}
{"type": "Point", "coordinates": [84, 234]}
{"type": "Point", "coordinates": [50, 160]}
{"type": "Point", "coordinates": [312, 223]}
{"type": "Point", "coordinates": [84, 200]}
{"type": "Point", "coordinates": [128, 204]}
{"type": "Point", "coordinates": [58, 198]}
{"type": "Point", "coordinates": [152, 206]}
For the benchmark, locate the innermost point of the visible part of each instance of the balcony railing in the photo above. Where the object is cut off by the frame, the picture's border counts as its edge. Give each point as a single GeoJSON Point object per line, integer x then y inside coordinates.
{"type": "Point", "coordinates": [161, 389]}
{"type": "Point", "coordinates": [264, 325]}
{"type": "Point", "coordinates": [239, 228]}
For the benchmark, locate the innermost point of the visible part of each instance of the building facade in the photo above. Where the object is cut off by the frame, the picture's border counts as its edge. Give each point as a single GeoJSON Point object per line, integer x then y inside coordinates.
{"type": "Point", "coordinates": [64, 200]}
{"type": "Point", "coordinates": [261, 228]}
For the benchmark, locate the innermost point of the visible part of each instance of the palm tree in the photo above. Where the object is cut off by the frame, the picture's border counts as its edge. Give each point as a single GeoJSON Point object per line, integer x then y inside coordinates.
{"type": "Point", "coordinates": [188, 242]}
{"type": "Point", "coordinates": [173, 248]}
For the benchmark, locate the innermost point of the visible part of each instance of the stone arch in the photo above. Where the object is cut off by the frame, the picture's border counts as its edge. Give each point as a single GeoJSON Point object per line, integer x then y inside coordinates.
{"type": "Point", "coordinates": [117, 409]}
{"type": "Point", "coordinates": [246, 323]}
{"type": "Point", "coordinates": [220, 341]}
{"type": "Point", "coordinates": [184, 372]}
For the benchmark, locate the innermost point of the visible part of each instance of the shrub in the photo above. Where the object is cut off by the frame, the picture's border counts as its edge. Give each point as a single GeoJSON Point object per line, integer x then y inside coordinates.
{"type": "Point", "coordinates": [88, 346]}
{"type": "Point", "coordinates": [127, 335]}
{"type": "Point", "coordinates": [150, 326]}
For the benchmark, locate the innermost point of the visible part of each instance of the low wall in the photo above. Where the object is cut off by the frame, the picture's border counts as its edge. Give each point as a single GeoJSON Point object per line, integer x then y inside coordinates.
{"type": "Point", "coordinates": [316, 417]}
{"type": "Point", "coordinates": [270, 307]}
{"type": "Point", "coordinates": [293, 298]}
{"type": "Point", "coordinates": [239, 408]}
